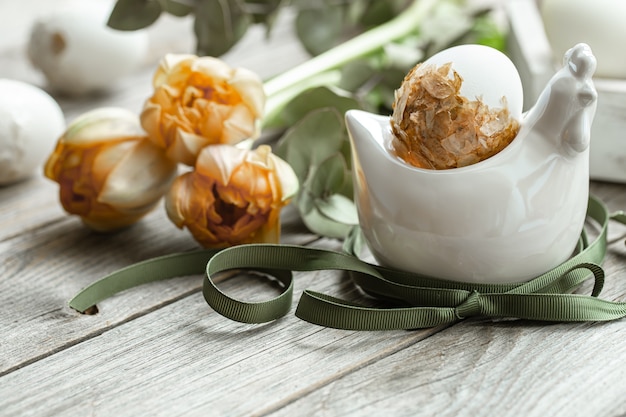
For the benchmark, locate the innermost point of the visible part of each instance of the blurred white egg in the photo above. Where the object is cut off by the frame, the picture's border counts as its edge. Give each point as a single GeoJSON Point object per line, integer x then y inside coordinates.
{"type": "Point", "coordinates": [30, 123]}
{"type": "Point", "coordinates": [79, 54]}
{"type": "Point", "coordinates": [601, 24]}
{"type": "Point", "coordinates": [487, 74]}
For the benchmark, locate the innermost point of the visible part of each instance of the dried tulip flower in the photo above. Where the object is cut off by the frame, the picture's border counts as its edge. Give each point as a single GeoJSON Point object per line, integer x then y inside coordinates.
{"type": "Point", "coordinates": [234, 196]}
{"type": "Point", "coordinates": [109, 172]}
{"type": "Point", "coordinates": [200, 101]}
{"type": "Point", "coordinates": [435, 127]}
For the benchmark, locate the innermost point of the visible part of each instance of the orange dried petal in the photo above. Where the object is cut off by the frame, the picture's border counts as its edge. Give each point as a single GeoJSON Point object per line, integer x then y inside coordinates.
{"type": "Point", "coordinates": [435, 127]}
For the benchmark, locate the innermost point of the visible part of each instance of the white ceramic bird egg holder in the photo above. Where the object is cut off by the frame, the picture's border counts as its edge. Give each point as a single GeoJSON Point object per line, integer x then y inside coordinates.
{"type": "Point", "coordinates": [506, 219]}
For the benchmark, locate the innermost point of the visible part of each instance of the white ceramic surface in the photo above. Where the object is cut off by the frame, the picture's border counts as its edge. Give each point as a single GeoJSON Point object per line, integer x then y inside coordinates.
{"type": "Point", "coordinates": [506, 219]}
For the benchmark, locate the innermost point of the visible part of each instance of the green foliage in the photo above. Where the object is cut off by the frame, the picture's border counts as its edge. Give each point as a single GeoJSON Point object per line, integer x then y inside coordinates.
{"type": "Point", "coordinates": [178, 8]}
{"type": "Point", "coordinates": [316, 143]}
{"type": "Point", "coordinates": [315, 148]}
{"type": "Point", "coordinates": [265, 11]}
{"type": "Point", "coordinates": [134, 14]}
{"type": "Point", "coordinates": [219, 25]}
{"type": "Point", "coordinates": [317, 98]}
{"type": "Point", "coordinates": [319, 25]}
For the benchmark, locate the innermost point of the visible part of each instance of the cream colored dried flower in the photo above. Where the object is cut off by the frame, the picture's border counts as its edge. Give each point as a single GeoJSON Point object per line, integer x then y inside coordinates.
{"type": "Point", "coordinates": [108, 172]}
{"type": "Point", "coordinates": [437, 128]}
{"type": "Point", "coordinates": [201, 101]}
{"type": "Point", "coordinates": [233, 196]}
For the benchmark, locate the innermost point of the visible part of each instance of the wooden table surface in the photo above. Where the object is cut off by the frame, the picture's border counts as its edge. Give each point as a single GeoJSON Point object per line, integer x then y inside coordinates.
{"type": "Point", "coordinates": [159, 350]}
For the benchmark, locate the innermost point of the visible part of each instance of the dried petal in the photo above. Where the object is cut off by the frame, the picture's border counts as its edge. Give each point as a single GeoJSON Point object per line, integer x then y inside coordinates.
{"type": "Point", "coordinates": [436, 128]}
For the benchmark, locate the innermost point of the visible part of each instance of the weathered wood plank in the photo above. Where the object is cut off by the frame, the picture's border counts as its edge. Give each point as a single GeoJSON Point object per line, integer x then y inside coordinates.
{"type": "Point", "coordinates": [487, 369]}
{"type": "Point", "coordinates": [43, 268]}
{"type": "Point", "coordinates": [28, 205]}
{"type": "Point", "coordinates": [210, 365]}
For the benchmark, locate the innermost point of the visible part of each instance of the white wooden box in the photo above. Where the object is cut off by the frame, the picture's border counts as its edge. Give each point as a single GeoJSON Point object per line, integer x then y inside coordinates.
{"type": "Point", "coordinates": [530, 51]}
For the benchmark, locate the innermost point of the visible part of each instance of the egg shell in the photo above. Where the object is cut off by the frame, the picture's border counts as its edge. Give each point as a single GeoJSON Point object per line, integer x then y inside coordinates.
{"type": "Point", "coordinates": [79, 54]}
{"type": "Point", "coordinates": [599, 23]}
{"type": "Point", "coordinates": [487, 73]}
{"type": "Point", "coordinates": [30, 123]}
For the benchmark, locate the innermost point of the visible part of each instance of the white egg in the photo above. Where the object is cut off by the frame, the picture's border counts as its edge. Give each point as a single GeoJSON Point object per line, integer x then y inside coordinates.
{"type": "Point", "coordinates": [79, 54]}
{"type": "Point", "coordinates": [30, 123]}
{"type": "Point", "coordinates": [599, 23]}
{"type": "Point", "coordinates": [487, 74]}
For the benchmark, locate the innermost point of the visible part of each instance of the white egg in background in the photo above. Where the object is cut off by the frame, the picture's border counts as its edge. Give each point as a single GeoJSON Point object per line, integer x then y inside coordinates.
{"type": "Point", "coordinates": [601, 24]}
{"type": "Point", "coordinates": [31, 121]}
{"type": "Point", "coordinates": [78, 53]}
{"type": "Point", "coordinates": [487, 74]}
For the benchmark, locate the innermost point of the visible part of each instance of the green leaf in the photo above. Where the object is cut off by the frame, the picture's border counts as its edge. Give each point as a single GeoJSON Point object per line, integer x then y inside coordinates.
{"type": "Point", "coordinates": [387, 83]}
{"type": "Point", "coordinates": [339, 208]}
{"type": "Point", "coordinates": [178, 8]}
{"type": "Point", "coordinates": [219, 25]}
{"type": "Point", "coordinates": [265, 11]}
{"type": "Point", "coordinates": [356, 73]}
{"type": "Point", "coordinates": [319, 26]}
{"type": "Point", "coordinates": [328, 177]}
{"type": "Point", "coordinates": [134, 14]}
{"type": "Point", "coordinates": [356, 9]}
{"type": "Point", "coordinates": [372, 83]}
{"type": "Point", "coordinates": [309, 142]}
{"type": "Point", "coordinates": [317, 222]}
{"type": "Point", "coordinates": [377, 12]}
{"type": "Point", "coordinates": [326, 186]}
{"type": "Point", "coordinates": [317, 149]}
{"type": "Point", "coordinates": [316, 98]}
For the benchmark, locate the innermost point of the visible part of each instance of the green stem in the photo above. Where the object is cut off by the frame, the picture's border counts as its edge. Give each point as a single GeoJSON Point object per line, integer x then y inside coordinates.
{"type": "Point", "coordinates": [357, 47]}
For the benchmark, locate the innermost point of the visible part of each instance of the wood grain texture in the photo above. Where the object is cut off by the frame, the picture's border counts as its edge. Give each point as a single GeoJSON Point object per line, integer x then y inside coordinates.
{"type": "Point", "coordinates": [43, 268]}
{"type": "Point", "coordinates": [484, 369]}
{"type": "Point", "coordinates": [184, 359]}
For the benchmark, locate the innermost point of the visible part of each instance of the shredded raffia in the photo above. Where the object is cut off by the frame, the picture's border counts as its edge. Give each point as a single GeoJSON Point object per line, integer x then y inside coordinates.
{"type": "Point", "coordinates": [437, 128]}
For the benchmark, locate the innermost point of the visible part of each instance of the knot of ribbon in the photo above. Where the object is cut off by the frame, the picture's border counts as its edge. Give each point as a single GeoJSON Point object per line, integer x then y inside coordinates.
{"type": "Point", "coordinates": [471, 307]}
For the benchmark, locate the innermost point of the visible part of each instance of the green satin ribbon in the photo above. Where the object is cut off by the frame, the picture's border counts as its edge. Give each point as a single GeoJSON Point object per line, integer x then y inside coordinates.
{"type": "Point", "coordinates": [416, 301]}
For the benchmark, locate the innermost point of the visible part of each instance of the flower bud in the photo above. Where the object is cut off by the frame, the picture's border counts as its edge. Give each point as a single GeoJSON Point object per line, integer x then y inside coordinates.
{"type": "Point", "coordinates": [200, 101]}
{"type": "Point", "coordinates": [234, 196]}
{"type": "Point", "coordinates": [109, 173]}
